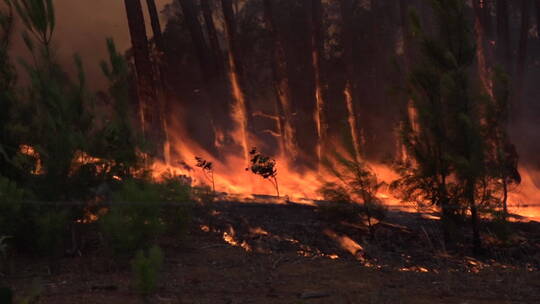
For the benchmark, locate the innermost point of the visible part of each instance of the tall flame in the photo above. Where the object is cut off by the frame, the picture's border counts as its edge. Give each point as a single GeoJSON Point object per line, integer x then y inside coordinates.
{"type": "Point", "coordinates": [239, 111]}
{"type": "Point", "coordinates": [352, 120]}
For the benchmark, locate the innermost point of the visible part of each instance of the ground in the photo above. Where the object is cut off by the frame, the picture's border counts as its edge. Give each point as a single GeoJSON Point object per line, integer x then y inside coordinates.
{"type": "Point", "coordinates": [290, 253]}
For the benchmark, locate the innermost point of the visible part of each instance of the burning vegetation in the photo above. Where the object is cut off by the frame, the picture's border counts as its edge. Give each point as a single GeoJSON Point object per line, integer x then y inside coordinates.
{"type": "Point", "coordinates": [394, 128]}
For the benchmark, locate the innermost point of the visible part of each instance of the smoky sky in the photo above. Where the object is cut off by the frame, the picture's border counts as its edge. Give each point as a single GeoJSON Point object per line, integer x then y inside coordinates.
{"type": "Point", "coordinates": [82, 27]}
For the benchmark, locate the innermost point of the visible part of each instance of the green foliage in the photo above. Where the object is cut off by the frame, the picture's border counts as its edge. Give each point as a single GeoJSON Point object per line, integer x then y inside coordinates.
{"type": "Point", "coordinates": [454, 141]}
{"type": "Point", "coordinates": [8, 142]}
{"type": "Point", "coordinates": [52, 228]}
{"type": "Point", "coordinates": [354, 192]}
{"type": "Point", "coordinates": [6, 295]}
{"type": "Point", "coordinates": [134, 219]}
{"type": "Point", "coordinates": [13, 219]}
{"type": "Point", "coordinates": [4, 246]}
{"type": "Point", "coordinates": [146, 270]}
{"type": "Point", "coordinates": [142, 210]}
{"type": "Point", "coordinates": [38, 17]}
{"type": "Point", "coordinates": [116, 143]}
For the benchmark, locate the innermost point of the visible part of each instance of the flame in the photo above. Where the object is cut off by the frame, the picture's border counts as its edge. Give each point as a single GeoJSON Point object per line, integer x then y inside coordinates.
{"type": "Point", "coordinates": [346, 243]}
{"type": "Point", "coordinates": [229, 237]}
{"type": "Point", "coordinates": [525, 198]}
{"type": "Point", "coordinates": [239, 113]}
{"type": "Point", "coordinates": [352, 120]}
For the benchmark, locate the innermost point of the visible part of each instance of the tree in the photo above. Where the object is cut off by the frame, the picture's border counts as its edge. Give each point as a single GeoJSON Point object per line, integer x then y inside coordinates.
{"type": "Point", "coordinates": [241, 107]}
{"type": "Point", "coordinates": [156, 26]}
{"type": "Point", "coordinates": [482, 28]}
{"type": "Point", "coordinates": [212, 34]}
{"type": "Point", "coordinates": [208, 169]}
{"type": "Point", "coordinates": [191, 14]}
{"type": "Point", "coordinates": [448, 139]}
{"type": "Point", "coordinates": [347, 9]}
{"type": "Point", "coordinates": [8, 144]}
{"type": "Point", "coordinates": [521, 63]}
{"type": "Point", "coordinates": [281, 83]}
{"type": "Point", "coordinates": [265, 167]}
{"type": "Point", "coordinates": [149, 108]}
{"type": "Point", "coordinates": [504, 54]}
{"type": "Point", "coordinates": [315, 20]}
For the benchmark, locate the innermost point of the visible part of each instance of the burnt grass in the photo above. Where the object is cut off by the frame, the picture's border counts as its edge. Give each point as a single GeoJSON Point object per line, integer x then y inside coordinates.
{"type": "Point", "coordinates": [256, 252]}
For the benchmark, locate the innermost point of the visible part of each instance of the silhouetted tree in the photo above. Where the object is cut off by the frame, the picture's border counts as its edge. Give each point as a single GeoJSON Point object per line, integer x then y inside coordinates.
{"type": "Point", "coordinates": [191, 17]}
{"type": "Point", "coordinates": [149, 107]}
{"type": "Point", "coordinates": [315, 20]}
{"type": "Point", "coordinates": [281, 82]}
{"type": "Point", "coordinates": [521, 62]}
{"type": "Point", "coordinates": [503, 48]}
{"type": "Point", "coordinates": [212, 35]}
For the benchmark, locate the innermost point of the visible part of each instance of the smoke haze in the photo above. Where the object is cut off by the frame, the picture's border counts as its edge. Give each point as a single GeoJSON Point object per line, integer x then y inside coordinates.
{"type": "Point", "coordinates": [82, 27]}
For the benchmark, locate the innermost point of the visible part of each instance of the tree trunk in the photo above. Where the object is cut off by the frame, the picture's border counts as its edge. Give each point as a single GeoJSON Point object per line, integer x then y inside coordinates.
{"type": "Point", "coordinates": [241, 109]}
{"type": "Point", "coordinates": [165, 96]}
{"type": "Point", "coordinates": [504, 54]}
{"type": "Point", "coordinates": [281, 83]}
{"type": "Point", "coordinates": [522, 57]}
{"type": "Point", "coordinates": [315, 25]}
{"type": "Point", "coordinates": [195, 30]}
{"type": "Point", "coordinates": [156, 26]}
{"type": "Point", "coordinates": [146, 90]}
{"type": "Point", "coordinates": [212, 35]}
{"type": "Point", "coordinates": [347, 9]}
{"type": "Point", "coordinates": [477, 242]}
{"type": "Point", "coordinates": [482, 47]}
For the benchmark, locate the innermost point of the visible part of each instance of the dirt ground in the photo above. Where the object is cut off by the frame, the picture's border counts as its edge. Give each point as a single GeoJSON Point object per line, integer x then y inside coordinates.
{"type": "Point", "coordinates": [267, 253]}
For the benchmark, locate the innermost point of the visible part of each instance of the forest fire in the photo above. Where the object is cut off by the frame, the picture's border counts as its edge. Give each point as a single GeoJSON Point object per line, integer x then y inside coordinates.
{"type": "Point", "coordinates": [269, 151]}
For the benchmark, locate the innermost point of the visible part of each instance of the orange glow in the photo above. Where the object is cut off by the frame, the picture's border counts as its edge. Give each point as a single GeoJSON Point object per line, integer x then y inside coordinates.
{"type": "Point", "coordinates": [239, 113]}
{"type": "Point", "coordinates": [346, 243]}
{"type": "Point", "coordinates": [525, 198]}
{"type": "Point", "coordinates": [352, 120]}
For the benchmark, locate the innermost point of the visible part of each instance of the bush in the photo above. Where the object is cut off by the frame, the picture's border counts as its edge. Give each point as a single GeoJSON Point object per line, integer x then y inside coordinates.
{"type": "Point", "coordinates": [139, 213]}
{"type": "Point", "coordinates": [52, 228]}
{"type": "Point", "coordinates": [134, 218]}
{"type": "Point", "coordinates": [146, 269]}
{"type": "Point", "coordinates": [16, 221]}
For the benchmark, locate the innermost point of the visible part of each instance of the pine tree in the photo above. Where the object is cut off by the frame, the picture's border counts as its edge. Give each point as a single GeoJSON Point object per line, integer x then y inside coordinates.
{"type": "Point", "coordinates": [445, 140]}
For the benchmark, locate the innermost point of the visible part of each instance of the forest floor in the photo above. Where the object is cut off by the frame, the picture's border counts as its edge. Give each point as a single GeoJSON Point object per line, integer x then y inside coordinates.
{"type": "Point", "coordinates": [292, 253]}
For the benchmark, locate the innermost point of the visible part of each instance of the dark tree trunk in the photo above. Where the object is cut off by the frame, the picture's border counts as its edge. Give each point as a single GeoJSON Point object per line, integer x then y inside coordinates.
{"type": "Point", "coordinates": [477, 241]}
{"type": "Point", "coordinates": [317, 43]}
{"type": "Point", "coordinates": [482, 47]}
{"type": "Point", "coordinates": [347, 9]}
{"type": "Point", "coordinates": [522, 57]}
{"type": "Point", "coordinates": [236, 76]}
{"type": "Point", "coordinates": [146, 90]}
{"type": "Point", "coordinates": [281, 83]}
{"type": "Point", "coordinates": [195, 30]}
{"type": "Point", "coordinates": [504, 53]}
{"type": "Point", "coordinates": [231, 27]}
{"type": "Point", "coordinates": [212, 35]}
{"type": "Point", "coordinates": [156, 26]}
{"type": "Point", "coordinates": [166, 95]}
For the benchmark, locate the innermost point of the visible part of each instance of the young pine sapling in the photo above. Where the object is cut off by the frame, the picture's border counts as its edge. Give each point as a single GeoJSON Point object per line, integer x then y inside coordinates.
{"type": "Point", "coordinates": [264, 166]}
{"type": "Point", "coordinates": [208, 170]}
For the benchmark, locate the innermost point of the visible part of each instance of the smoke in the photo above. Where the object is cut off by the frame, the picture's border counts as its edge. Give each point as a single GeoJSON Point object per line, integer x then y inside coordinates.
{"type": "Point", "coordinates": [82, 27]}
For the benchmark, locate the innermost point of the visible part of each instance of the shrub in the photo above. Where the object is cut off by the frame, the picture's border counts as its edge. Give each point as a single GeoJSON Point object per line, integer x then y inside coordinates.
{"type": "Point", "coordinates": [139, 212]}
{"type": "Point", "coordinates": [146, 269]}
{"type": "Point", "coordinates": [10, 206]}
{"type": "Point", "coordinates": [355, 191]}
{"type": "Point", "coordinates": [133, 220]}
{"type": "Point", "coordinates": [16, 221]}
{"type": "Point", "coordinates": [52, 227]}
{"type": "Point", "coordinates": [263, 166]}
